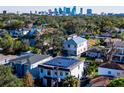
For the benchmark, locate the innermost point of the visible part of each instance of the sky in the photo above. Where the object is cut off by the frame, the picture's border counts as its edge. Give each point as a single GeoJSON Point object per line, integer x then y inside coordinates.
{"type": "Point", "coordinates": [96, 9]}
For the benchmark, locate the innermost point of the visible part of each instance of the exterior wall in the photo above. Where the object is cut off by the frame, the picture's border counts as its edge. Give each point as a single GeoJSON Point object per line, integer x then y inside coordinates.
{"type": "Point", "coordinates": [80, 48]}
{"type": "Point", "coordinates": [53, 75]}
{"type": "Point", "coordinates": [115, 73]}
{"type": "Point", "coordinates": [119, 56]}
{"type": "Point", "coordinates": [77, 72]}
{"type": "Point", "coordinates": [93, 54]}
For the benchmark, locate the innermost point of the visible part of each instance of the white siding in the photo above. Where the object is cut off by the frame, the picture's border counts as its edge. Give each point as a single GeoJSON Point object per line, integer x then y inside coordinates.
{"type": "Point", "coordinates": [80, 48]}
{"type": "Point", "coordinates": [74, 72]}
{"type": "Point", "coordinates": [115, 73]}
{"type": "Point", "coordinates": [78, 71]}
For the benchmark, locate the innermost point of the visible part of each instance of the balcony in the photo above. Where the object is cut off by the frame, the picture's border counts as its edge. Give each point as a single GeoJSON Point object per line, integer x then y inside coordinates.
{"type": "Point", "coordinates": [122, 60]}
{"type": "Point", "coordinates": [116, 58]}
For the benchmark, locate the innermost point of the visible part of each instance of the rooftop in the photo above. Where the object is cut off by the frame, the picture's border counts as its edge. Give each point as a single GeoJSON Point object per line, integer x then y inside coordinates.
{"type": "Point", "coordinates": [119, 44]}
{"type": "Point", "coordinates": [113, 65]}
{"type": "Point", "coordinates": [100, 81]}
{"type": "Point", "coordinates": [29, 59]}
{"type": "Point", "coordinates": [75, 40]}
{"type": "Point", "coordinates": [4, 58]}
{"type": "Point", "coordinates": [63, 62]}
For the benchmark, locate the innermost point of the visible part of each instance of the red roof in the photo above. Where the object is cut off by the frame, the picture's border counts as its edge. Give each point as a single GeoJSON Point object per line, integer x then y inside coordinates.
{"type": "Point", "coordinates": [100, 81]}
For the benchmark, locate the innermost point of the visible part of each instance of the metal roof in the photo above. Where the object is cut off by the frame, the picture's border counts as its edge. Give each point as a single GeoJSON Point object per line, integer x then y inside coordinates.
{"type": "Point", "coordinates": [29, 59]}
{"type": "Point", "coordinates": [75, 40]}
{"type": "Point", "coordinates": [62, 62]}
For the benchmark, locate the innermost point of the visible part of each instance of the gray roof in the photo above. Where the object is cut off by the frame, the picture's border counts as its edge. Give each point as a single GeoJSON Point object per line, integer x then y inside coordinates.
{"type": "Point", "coordinates": [75, 40]}
{"type": "Point", "coordinates": [29, 59]}
{"type": "Point", "coordinates": [119, 44]}
{"type": "Point", "coordinates": [63, 63]}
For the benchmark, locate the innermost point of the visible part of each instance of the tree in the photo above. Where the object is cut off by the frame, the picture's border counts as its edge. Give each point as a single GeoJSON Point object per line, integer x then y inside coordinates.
{"type": "Point", "coordinates": [7, 79]}
{"type": "Point", "coordinates": [28, 80]}
{"type": "Point", "coordinates": [91, 70]}
{"type": "Point", "coordinates": [118, 82]}
{"type": "Point", "coordinates": [71, 81]}
{"type": "Point", "coordinates": [122, 35]}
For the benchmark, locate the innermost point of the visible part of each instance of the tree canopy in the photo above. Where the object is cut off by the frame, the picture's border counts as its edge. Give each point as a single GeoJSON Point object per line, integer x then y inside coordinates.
{"type": "Point", "coordinates": [71, 81]}
{"type": "Point", "coordinates": [118, 82]}
{"type": "Point", "coordinates": [7, 79]}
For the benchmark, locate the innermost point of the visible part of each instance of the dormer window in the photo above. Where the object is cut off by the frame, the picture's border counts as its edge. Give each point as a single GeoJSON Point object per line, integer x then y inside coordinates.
{"type": "Point", "coordinates": [68, 46]}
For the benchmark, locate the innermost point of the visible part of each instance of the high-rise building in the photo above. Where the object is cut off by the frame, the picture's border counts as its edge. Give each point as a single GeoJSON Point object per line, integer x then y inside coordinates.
{"type": "Point", "coordinates": [55, 11]}
{"type": "Point", "coordinates": [30, 12]}
{"type": "Point", "coordinates": [81, 11]}
{"type": "Point", "coordinates": [35, 12]}
{"type": "Point", "coordinates": [89, 12]}
{"type": "Point", "coordinates": [60, 11]}
{"type": "Point", "coordinates": [50, 12]}
{"type": "Point", "coordinates": [4, 11]}
{"type": "Point", "coordinates": [64, 10]}
{"type": "Point", "coordinates": [68, 10]}
{"type": "Point", "coordinates": [73, 10]}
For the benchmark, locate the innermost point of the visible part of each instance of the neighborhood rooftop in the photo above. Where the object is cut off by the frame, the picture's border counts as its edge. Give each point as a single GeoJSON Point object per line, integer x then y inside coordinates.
{"type": "Point", "coordinates": [75, 40]}
{"type": "Point", "coordinates": [63, 62]}
{"type": "Point", "coordinates": [119, 44]}
{"type": "Point", "coordinates": [29, 59]}
{"type": "Point", "coordinates": [113, 65]}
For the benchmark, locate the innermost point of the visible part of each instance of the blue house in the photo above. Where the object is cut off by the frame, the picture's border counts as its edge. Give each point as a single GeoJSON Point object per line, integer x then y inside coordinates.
{"type": "Point", "coordinates": [28, 63]}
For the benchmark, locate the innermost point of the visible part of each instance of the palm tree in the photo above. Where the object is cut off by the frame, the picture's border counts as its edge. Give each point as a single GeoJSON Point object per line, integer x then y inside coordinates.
{"type": "Point", "coordinates": [71, 81]}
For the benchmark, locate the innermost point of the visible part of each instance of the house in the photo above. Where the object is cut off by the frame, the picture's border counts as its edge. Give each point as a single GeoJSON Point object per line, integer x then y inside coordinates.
{"type": "Point", "coordinates": [111, 69]}
{"type": "Point", "coordinates": [18, 32]}
{"type": "Point", "coordinates": [94, 53]}
{"type": "Point", "coordinates": [57, 69]}
{"type": "Point", "coordinates": [28, 63]}
{"type": "Point", "coordinates": [75, 46]}
{"type": "Point", "coordinates": [118, 56]}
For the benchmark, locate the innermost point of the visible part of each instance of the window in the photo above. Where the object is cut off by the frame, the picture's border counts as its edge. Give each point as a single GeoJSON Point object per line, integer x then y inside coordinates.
{"type": "Point", "coordinates": [56, 73]}
{"type": "Point", "coordinates": [68, 46]}
{"type": "Point", "coordinates": [66, 73]}
{"type": "Point", "coordinates": [79, 67]}
{"type": "Point", "coordinates": [48, 72]}
{"type": "Point", "coordinates": [75, 52]}
{"type": "Point", "coordinates": [109, 72]}
{"type": "Point", "coordinates": [61, 73]}
{"type": "Point", "coordinates": [118, 74]}
{"type": "Point", "coordinates": [41, 70]}
{"type": "Point", "coordinates": [75, 46]}
{"type": "Point", "coordinates": [78, 76]}
{"type": "Point", "coordinates": [122, 72]}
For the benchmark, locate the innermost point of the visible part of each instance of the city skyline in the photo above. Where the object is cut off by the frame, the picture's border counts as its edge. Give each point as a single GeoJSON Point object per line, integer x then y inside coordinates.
{"type": "Point", "coordinates": [95, 9]}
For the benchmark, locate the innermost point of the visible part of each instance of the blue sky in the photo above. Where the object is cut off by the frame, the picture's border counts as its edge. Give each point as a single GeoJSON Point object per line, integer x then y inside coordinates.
{"type": "Point", "coordinates": [96, 9]}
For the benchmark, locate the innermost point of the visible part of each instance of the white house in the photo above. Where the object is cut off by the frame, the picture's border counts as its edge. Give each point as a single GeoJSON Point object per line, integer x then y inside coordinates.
{"type": "Point", "coordinates": [75, 45]}
{"type": "Point", "coordinates": [111, 69]}
{"type": "Point", "coordinates": [58, 68]}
